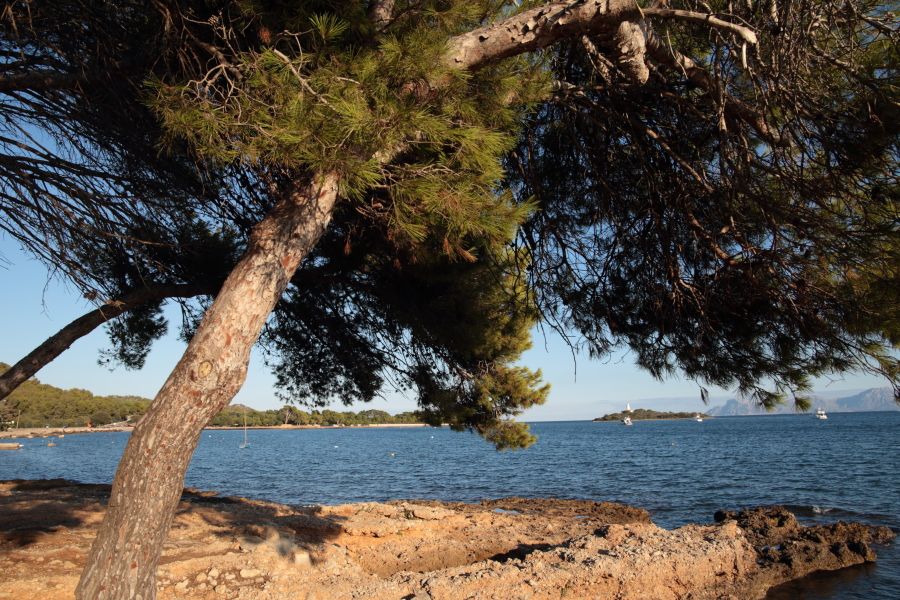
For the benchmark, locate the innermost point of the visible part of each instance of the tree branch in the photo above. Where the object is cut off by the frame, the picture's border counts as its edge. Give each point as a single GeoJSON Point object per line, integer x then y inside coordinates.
{"type": "Point", "coordinates": [745, 33]}
{"type": "Point", "coordinates": [59, 342]}
{"type": "Point", "coordinates": [535, 29]}
{"type": "Point", "coordinates": [667, 55]}
{"type": "Point", "coordinates": [380, 13]}
{"type": "Point", "coordinates": [550, 23]}
{"type": "Point", "coordinates": [40, 81]}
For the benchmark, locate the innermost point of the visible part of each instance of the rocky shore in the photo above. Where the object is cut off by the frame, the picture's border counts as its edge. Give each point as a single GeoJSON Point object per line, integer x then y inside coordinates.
{"type": "Point", "coordinates": [500, 549]}
{"type": "Point", "coordinates": [46, 432]}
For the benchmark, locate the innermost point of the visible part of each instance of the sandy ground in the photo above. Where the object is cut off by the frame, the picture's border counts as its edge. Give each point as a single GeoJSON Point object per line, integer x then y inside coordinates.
{"type": "Point", "coordinates": [34, 432]}
{"type": "Point", "coordinates": [417, 550]}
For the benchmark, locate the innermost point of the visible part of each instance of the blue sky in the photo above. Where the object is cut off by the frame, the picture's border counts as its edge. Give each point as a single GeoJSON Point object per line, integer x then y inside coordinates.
{"type": "Point", "coordinates": [35, 307]}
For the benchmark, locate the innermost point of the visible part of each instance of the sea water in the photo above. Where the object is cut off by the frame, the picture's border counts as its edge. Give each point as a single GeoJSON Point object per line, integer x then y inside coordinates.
{"type": "Point", "coordinates": [681, 471]}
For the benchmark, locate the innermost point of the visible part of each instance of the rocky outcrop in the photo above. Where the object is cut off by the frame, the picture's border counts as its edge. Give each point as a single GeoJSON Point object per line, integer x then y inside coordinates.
{"type": "Point", "coordinates": [498, 549]}
{"type": "Point", "coordinates": [787, 550]}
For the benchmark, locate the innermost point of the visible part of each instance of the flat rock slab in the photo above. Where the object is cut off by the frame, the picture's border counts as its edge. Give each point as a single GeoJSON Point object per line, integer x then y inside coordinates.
{"type": "Point", "coordinates": [498, 549]}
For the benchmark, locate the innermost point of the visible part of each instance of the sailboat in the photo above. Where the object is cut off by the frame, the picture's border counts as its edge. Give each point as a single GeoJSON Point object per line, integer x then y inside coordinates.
{"type": "Point", "coordinates": [698, 418]}
{"type": "Point", "coordinates": [820, 414]}
{"type": "Point", "coordinates": [626, 420]}
{"type": "Point", "coordinates": [245, 443]}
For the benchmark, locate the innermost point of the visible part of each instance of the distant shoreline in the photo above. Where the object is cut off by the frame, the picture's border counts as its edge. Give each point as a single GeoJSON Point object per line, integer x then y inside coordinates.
{"type": "Point", "coordinates": [44, 432]}
{"type": "Point", "coordinates": [601, 420]}
{"type": "Point", "coordinates": [647, 414]}
{"type": "Point", "coordinates": [370, 426]}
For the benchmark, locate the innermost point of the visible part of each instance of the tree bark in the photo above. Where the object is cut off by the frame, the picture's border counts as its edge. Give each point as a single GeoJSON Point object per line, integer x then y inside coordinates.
{"type": "Point", "coordinates": [59, 342]}
{"type": "Point", "coordinates": [535, 29]}
{"type": "Point", "coordinates": [150, 478]}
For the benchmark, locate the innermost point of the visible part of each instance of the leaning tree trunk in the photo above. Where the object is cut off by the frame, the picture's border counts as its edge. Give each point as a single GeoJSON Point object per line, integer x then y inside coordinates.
{"type": "Point", "coordinates": [150, 478]}
{"type": "Point", "coordinates": [60, 341]}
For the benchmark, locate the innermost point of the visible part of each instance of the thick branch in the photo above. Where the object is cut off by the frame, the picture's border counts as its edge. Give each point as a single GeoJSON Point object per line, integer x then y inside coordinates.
{"type": "Point", "coordinates": [83, 325]}
{"type": "Point", "coordinates": [536, 29]}
{"type": "Point", "coordinates": [550, 23]}
{"type": "Point", "coordinates": [39, 81]}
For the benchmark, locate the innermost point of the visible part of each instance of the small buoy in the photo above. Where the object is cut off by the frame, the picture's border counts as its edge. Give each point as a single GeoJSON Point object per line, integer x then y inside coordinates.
{"type": "Point", "coordinates": [392, 453]}
{"type": "Point", "coordinates": [335, 446]}
{"type": "Point", "coordinates": [50, 444]}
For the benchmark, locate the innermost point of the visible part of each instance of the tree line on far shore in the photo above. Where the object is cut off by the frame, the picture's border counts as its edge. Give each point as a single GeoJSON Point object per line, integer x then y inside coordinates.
{"type": "Point", "coordinates": [646, 414]}
{"type": "Point", "coordinates": [233, 416]}
{"type": "Point", "coordinates": [36, 404]}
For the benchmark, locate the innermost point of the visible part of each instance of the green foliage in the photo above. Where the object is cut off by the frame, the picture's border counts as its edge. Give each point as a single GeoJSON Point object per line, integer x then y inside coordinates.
{"type": "Point", "coordinates": [646, 414]}
{"type": "Point", "coordinates": [450, 331]}
{"type": "Point", "coordinates": [692, 237]}
{"type": "Point", "coordinates": [133, 334]}
{"type": "Point", "coordinates": [37, 405]}
{"type": "Point", "coordinates": [659, 216]}
{"type": "Point", "coordinates": [507, 435]}
{"type": "Point", "coordinates": [233, 416]}
{"type": "Point", "coordinates": [319, 101]}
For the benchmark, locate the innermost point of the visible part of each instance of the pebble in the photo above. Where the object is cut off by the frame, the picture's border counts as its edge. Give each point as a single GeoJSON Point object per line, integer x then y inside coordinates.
{"type": "Point", "coordinates": [213, 573]}
{"type": "Point", "coordinates": [250, 573]}
{"type": "Point", "coordinates": [200, 578]}
{"type": "Point", "coordinates": [301, 557]}
{"type": "Point", "coordinates": [182, 585]}
{"type": "Point", "coordinates": [229, 576]}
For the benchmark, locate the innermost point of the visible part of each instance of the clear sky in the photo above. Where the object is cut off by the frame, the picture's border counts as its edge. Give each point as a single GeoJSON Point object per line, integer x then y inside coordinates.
{"type": "Point", "coordinates": [34, 308]}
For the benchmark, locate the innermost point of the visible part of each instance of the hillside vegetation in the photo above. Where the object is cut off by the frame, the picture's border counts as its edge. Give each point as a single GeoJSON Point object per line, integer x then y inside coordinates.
{"type": "Point", "coordinates": [36, 404]}
{"type": "Point", "coordinates": [645, 414]}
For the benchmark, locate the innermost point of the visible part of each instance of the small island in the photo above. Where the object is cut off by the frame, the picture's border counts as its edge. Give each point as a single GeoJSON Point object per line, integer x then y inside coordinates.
{"type": "Point", "coordinates": [645, 414]}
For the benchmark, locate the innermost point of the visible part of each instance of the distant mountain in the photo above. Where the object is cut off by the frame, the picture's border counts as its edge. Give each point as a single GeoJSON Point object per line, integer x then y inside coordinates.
{"type": "Point", "coordinates": [874, 399]}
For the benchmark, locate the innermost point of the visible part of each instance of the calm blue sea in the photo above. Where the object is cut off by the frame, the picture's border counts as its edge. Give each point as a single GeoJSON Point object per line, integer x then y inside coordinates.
{"type": "Point", "coordinates": [682, 471]}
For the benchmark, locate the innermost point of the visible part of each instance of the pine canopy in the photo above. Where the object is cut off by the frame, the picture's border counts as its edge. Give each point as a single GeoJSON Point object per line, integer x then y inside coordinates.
{"type": "Point", "coordinates": [713, 185]}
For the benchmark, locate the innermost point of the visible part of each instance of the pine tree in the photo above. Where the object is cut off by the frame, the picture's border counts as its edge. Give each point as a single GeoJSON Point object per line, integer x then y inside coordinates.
{"type": "Point", "coordinates": [710, 184]}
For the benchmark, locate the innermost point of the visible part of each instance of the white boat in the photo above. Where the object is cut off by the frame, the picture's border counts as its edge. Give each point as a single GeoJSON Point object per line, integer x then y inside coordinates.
{"type": "Point", "coordinates": [698, 418]}
{"type": "Point", "coordinates": [627, 421]}
{"type": "Point", "coordinates": [245, 443]}
{"type": "Point", "coordinates": [820, 414]}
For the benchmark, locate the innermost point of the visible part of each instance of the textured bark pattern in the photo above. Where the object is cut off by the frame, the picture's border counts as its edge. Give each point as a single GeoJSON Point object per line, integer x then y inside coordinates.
{"type": "Point", "coordinates": [83, 325]}
{"type": "Point", "coordinates": [631, 49]}
{"type": "Point", "coordinates": [380, 13]}
{"type": "Point", "coordinates": [149, 481]}
{"type": "Point", "coordinates": [537, 28]}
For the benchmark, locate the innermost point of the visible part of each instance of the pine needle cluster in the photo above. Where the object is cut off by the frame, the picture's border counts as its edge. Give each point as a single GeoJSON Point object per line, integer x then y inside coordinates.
{"type": "Point", "coordinates": [321, 96]}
